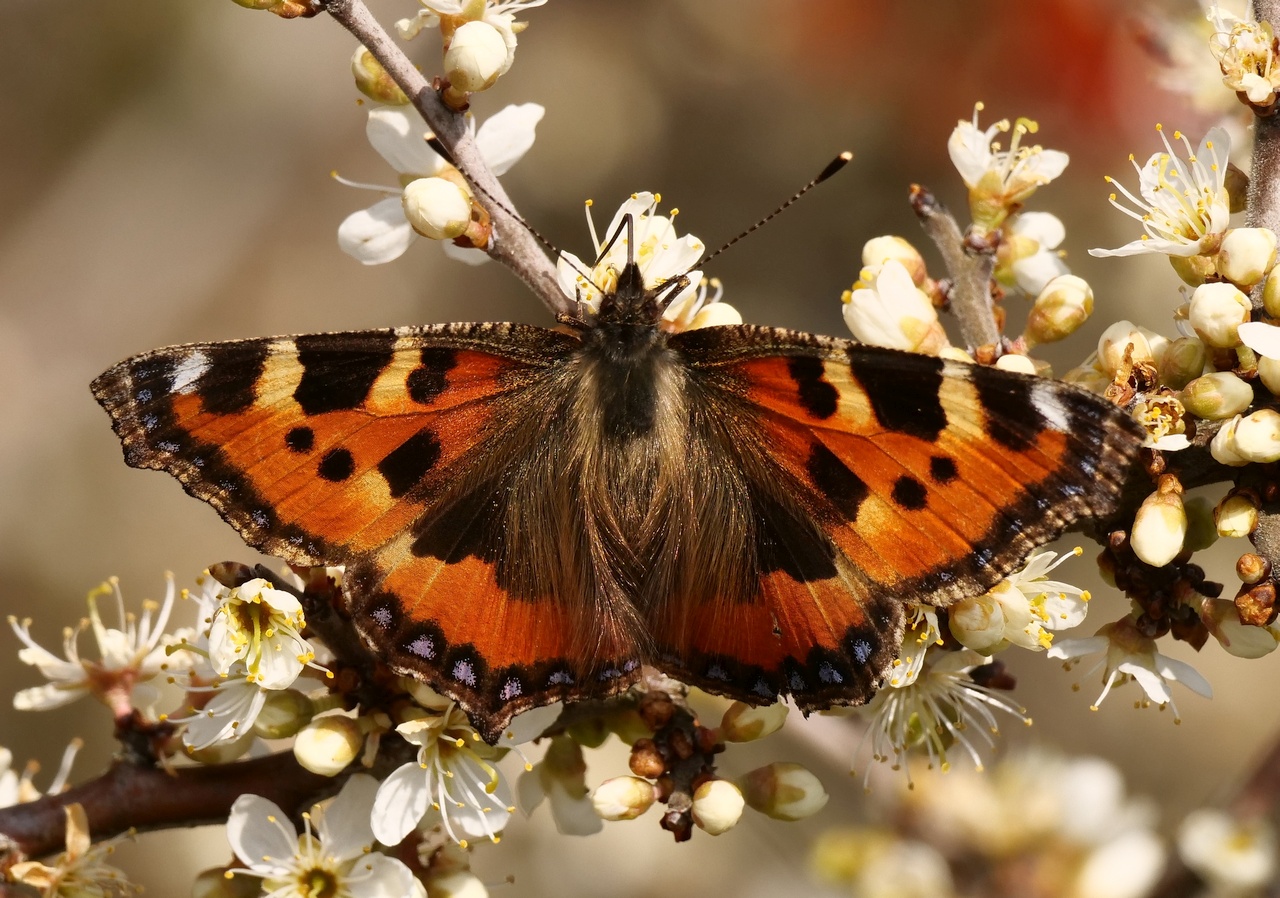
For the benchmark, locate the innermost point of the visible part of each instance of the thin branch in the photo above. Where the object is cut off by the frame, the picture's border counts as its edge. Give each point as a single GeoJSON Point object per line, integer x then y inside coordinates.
{"type": "Point", "coordinates": [131, 797]}
{"type": "Point", "coordinates": [1264, 175]}
{"type": "Point", "coordinates": [970, 271]}
{"type": "Point", "coordinates": [513, 244]}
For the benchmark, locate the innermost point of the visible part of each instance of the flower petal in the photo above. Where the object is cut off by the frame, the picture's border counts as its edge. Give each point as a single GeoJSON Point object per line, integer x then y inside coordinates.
{"type": "Point", "coordinates": [399, 136]}
{"type": "Point", "coordinates": [400, 803]}
{"type": "Point", "coordinates": [259, 832]}
{"type": "Point", "coordinates": [378, 234]}
{"type": "Point", "coordinates": [343, 826]}
{"type": "Point", "coordinates": [507, 135]}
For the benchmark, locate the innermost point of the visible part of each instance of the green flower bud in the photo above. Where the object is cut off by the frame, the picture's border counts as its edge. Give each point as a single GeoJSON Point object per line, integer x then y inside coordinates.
{"type": "Point", "coordinates": [1182, 362]}
{"type": "Point", "coordinates": [1217, 396]}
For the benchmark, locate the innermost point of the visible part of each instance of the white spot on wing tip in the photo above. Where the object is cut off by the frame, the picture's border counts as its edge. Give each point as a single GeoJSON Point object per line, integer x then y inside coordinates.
{"type": "Point", "coordinates": [1050, 405]}
{"type": "Point", "coordinates": [189, 370]}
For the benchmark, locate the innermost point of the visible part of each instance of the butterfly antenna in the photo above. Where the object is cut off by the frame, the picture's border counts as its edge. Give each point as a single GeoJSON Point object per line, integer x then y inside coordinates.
{"type": "Point", "coordinates": [832, 167]}
{"type": "Point", "coordinates": [439, 149]}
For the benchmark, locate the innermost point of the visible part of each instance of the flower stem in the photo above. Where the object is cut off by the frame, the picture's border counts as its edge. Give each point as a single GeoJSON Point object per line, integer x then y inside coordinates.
{"type": "Point", "coordinates": [513, 244]}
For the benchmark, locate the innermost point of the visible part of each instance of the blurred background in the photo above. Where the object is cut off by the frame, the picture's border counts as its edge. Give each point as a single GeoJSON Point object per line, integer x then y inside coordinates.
{"type": "Point", "coordinates": [164, 178]}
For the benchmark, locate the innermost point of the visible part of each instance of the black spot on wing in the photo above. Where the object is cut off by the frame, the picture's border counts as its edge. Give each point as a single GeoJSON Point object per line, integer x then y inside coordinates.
{"type": "Point", "coordinates": [817, 396]}
{"type": "Point", "coordinates": [463, 529]}
{"type": "Point", "coordinates": [910, 493]}
{"type": "Point", "coordinates": [300, 439]}
{"type": "Point", "coordinates": [904, 391]}
{"type": "Point", "coordinates": [229, 385]}
{"type": "Point", "coordinates": [943, 469]}
{"type": "Point", "coordinates": [843, 488]}
{"type": "Point", "coordinates": [337, 465]}
{"type": "Point", "coordinates": [1012, 419]}
{"type": "Point", "coordinates": [430, 378]}
{"type": "Point", "coordinates": [409, 462]}
{"type": "Point", "coordinates": [339, 371]}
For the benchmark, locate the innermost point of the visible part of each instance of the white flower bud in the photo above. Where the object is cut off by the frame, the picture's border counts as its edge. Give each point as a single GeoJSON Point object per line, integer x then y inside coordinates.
{"type": "Point", "coordinates": [1236, 515]}
{"type": "Point", "coordinates": [894, 313]}
{"type": "Point", "coordinates": [715, 314]}
{"type": "Point", "coordinates": [717, 806]}
{"type": "Point", "coordinates": [223, 752]}
{"type": "Point", "coordinates": [1064, 304]}
{"type": "Point", "coordinates": [1088, 377]}
{"type": "Point", "coordinates": [373, 81]}
{"type": "Point", "coordinates": [1222, 620]}
{"type": "Point", "coordinates": [1012, 361]}
{"type": "Point", "coordinates": [1223, 445]}
{"type": "Point", "coordinates": [1160, 526]}
{"type": "Point", "coordinates": [1271, 293]}
{"type": "Point", "coordinates": [1246, 255]}
{"type": "Point", "coordinates": [743, 723]}
{"type": "Point", "coordinates": [878, 250]}
{"type": "Point", "coordinates": [784, 791]}
{"type": "Point", "coordinates": [457, 884]}
{"type": "Point", "coordinates": [1217, 395]}
{"type": "Point", "coordinates": [328, 744]}
{"type": "Point", "coordinates": [477, 55]}
{"type": "Point", "coordinates": [1116, 339]}
{"type": "Point", "coordinates": [436, 208]}
{"type": "Point", "coordinates": [977, 623]}
{"type": "Point", "coordinates": [1257, 436]}
{"type": "Point", "coordinates": [1269, 374]}
{"type": "Point", "coordinates": [1217, 310]}
{"type": "Point", "coordinates": [1182, 362]}
{"type": "Point", "coordinates": [283, 713]}
{"type": "Point", "coordinates": [622, 798]}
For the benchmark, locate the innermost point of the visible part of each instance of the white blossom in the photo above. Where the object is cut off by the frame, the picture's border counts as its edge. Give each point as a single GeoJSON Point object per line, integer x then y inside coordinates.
{"type": "Point", "coordinates": [1184, 208]}
{"type": "Point", "coordinates": [382, 233]}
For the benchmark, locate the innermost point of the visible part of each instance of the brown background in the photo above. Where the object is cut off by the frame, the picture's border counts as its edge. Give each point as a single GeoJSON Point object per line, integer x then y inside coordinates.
{"type": "Point", "coordinates": [164, 178]}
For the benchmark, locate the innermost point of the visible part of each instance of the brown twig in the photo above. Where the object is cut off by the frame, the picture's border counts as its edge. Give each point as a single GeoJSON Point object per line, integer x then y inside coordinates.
{"type": "Point", "coordinates": [513, 245]}
{"type": "Point", "coordinates": [131, 797]}
{"type": "Point", "coordinates": [970, 271]}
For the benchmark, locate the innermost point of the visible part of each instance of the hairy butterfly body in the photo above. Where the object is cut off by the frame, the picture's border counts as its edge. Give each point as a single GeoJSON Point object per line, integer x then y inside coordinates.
{"type": "Point", "coordinates": [528, 515]}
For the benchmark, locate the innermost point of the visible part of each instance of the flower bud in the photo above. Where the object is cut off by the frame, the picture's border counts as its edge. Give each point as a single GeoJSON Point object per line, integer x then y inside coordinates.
{"type": "Point", "coordinates": [223, 752]}
{"type": "Point", "coordinates": [622, 798]}
{"type": "Point", "coordinates": [1246, 255]}
{"type": "Point", "coordinates": [437, 208]}
{"type": "Point", "coordinates": [373, 81]}
{"type": "Point", "coordinates": [977, 623]}
{"type": "Point", "coordinates": [1257, 436]}
{"type": "Point", "coordinates": [1222, 620]}
{"type": "Point", "coordinates": [1012, 361]}
{"type": "Point", "coordinates": [1123, 334]}
{"type": "Point", "coordinates": [1217, 310]}
{"type": "Point", "coordinates": [1064, 304]}
{"type": "Point", "coordinates": [1160, 526]}
{"type": "Point", "coordinates": [456, 884]}
{"type": "Point", "coordinates": [743, 723]}
{"type": "Point", "coordinates": [1236, 183]}
{"type": "Point", "coordinates": [1236, 515]}
{"type": "Point", "coordinates": [717, 806]}
{"type": "Point", "coordinates": [1182, 362]}
{"type": "Point", "coordinates": [216, 883]}
{"type": "Point", "coordinates": [1193, 270]}
{"type": "Point", "coordinates": [1088, 377]}
{"type": "Point", "coordinates": [1271, 294]}
{"type": "Point", "coordinates": [328, 744]}
{"type": "Point", "coordinates": [878, 250]}
{"type": "Point", "coordinates": [715, 314]}
{"type": "Point", "coordinates": [284, 712]}
{"type": "Point", "coordinates": [1201, 532]}
{"type": "Point", "coordinates": [477, 55]}
{"type": "Point", "coordinates": [1269, 374]}
{"type": "Point", "coordinates": [1217, 396]}
{"type": "Point", "coordinates": [784, 791]}
{"type": "Point", "coordinates": [1223, 445]}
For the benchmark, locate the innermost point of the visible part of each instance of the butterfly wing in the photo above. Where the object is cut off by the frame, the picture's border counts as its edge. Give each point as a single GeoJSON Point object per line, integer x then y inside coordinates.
{"type": "Point", "coordinates": [875, 477]}
{"type": "Point", "coordinates": [394, 453]}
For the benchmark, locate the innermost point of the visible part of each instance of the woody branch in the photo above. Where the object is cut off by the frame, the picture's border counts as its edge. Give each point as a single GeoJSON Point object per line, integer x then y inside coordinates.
{"type": "Point", "coordinates": [513, 244]}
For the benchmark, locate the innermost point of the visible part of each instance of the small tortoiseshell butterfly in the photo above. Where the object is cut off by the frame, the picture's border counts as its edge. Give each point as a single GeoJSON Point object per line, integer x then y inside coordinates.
{"type": "Point", "coordinates": [528, 515]}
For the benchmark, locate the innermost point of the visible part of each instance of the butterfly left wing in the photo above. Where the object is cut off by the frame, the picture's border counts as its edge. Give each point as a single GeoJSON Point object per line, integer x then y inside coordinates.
{"type": "Point", "coordinates": [394, 453]}
{"type": "Point", "coordinates": [877, 477]}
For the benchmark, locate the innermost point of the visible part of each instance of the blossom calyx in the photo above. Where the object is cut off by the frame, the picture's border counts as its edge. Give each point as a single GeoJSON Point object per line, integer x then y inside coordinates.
{"type": "Point", "coordinates": [784, 791]}
{"type": "Point", "coordinates": [1160, 526]}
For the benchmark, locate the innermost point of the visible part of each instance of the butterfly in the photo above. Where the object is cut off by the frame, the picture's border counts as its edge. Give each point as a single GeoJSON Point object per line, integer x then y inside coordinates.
{"type": "Point", "coordinates": [528, 515]}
